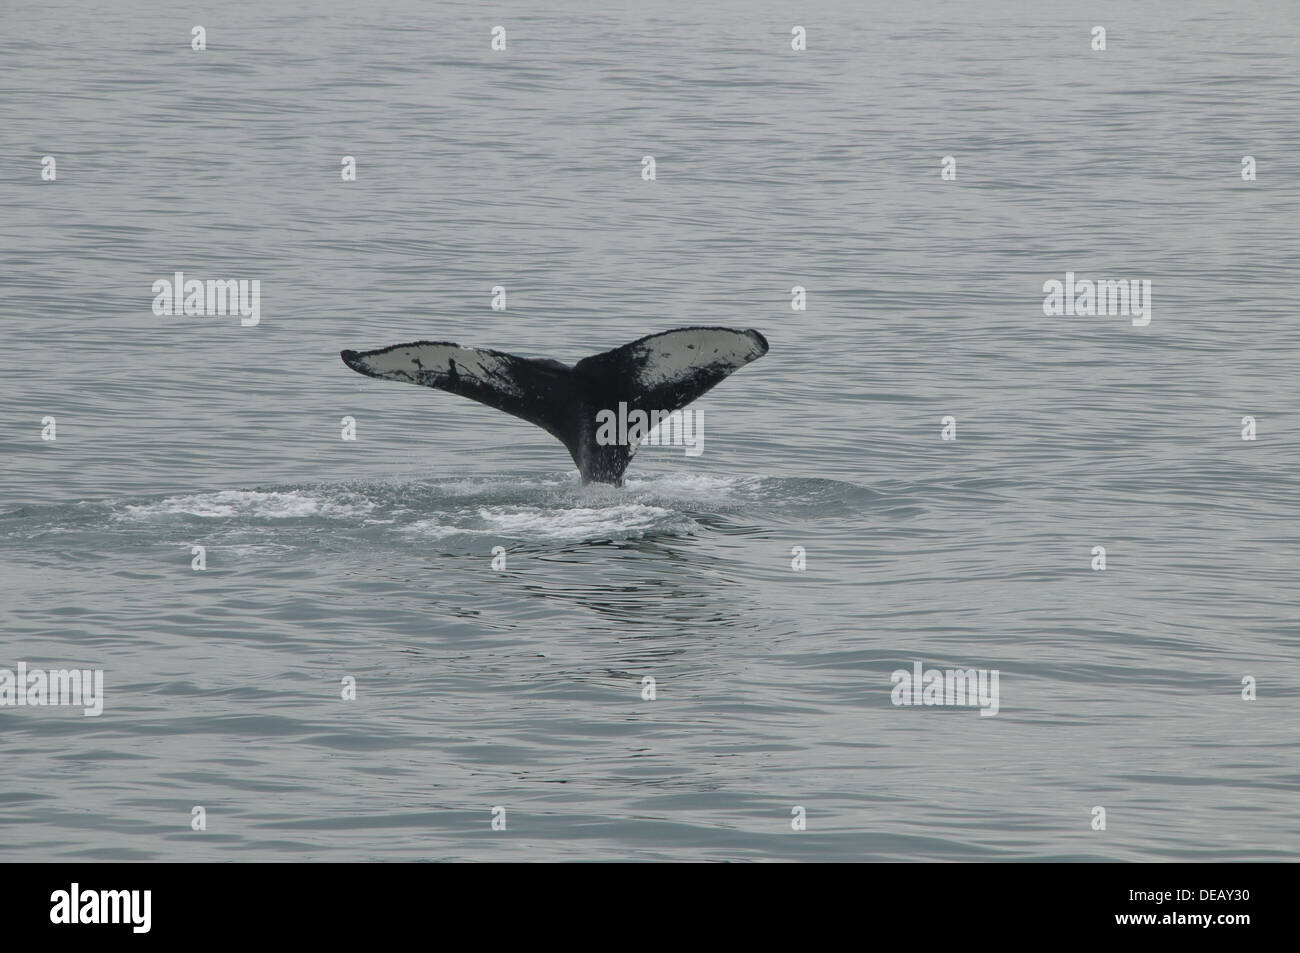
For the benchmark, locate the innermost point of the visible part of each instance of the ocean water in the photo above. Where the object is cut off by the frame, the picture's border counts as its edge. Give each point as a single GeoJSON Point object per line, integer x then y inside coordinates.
{"type": "Point", "coordinates": [521, 687]}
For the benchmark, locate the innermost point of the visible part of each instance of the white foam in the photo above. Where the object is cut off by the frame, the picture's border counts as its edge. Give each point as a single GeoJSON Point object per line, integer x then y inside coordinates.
{"type": "Point", "coordinates": [534, 522]}
{"type": "Point", "coordinates": [687, 485]}
{"type": "Point", "coordinates": [248, 503]}
{"type": "Point", "coordinates": [573, 522]}
{"type": "Point", "coordinates": [434, 529]}
{"type": "Point", "coordinates": [478, 486]}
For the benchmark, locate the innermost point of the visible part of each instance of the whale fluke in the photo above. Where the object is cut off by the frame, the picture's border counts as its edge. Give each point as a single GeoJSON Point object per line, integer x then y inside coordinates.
{"type": "Point", "coordinates": [660, 372]}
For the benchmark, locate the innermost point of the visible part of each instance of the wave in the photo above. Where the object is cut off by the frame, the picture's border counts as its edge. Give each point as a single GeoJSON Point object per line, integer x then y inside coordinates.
{"type": "Point", "coordinates": [525, 508]}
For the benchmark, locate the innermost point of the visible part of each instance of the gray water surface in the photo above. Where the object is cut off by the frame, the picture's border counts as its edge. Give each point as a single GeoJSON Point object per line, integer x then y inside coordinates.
{"type": "Point", "coordinates": [522, 688]}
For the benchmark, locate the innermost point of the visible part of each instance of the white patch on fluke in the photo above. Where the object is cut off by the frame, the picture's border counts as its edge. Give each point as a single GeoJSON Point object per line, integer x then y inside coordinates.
{"type": "Point", "coordinates": [689, 350]}
{"type": "Point", "coordinates": [408, 363]}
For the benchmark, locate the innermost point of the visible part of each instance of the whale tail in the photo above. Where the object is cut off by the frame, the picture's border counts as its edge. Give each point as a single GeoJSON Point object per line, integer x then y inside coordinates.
{"type": "Point", "coordinates": [661, 372]}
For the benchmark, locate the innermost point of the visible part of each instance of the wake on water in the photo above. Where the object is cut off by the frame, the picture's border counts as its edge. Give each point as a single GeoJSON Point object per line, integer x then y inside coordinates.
{"type": "Point", "coordinates": [455, 513]}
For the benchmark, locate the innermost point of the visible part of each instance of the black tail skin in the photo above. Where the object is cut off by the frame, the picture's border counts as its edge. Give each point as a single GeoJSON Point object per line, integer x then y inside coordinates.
{"type": "Point", "coordinates": [661, 372]}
